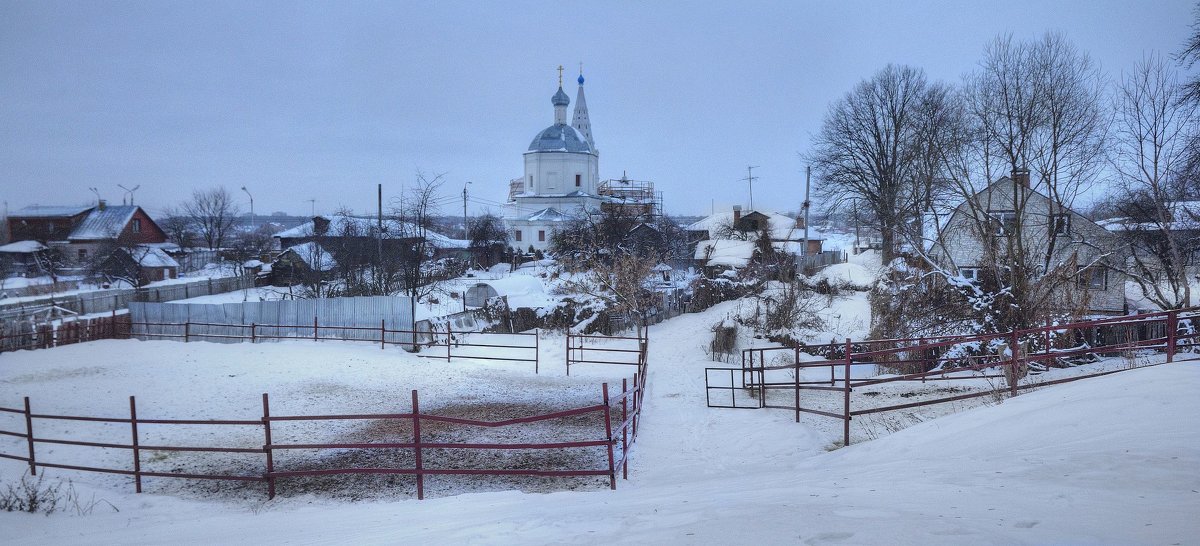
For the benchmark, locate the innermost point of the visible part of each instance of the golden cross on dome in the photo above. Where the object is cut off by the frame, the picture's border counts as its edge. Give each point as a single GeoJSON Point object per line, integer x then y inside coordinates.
{"type": "Point", "coordinates": [560, 69]}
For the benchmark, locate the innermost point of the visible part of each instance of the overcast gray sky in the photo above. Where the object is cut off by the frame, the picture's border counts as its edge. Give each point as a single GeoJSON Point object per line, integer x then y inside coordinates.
{"type": "Point", "coordinates": [300, 101]}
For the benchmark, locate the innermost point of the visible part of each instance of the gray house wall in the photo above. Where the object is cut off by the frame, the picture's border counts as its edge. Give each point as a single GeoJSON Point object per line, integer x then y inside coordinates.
{"type": "Point", "coordinates": [961, 245]}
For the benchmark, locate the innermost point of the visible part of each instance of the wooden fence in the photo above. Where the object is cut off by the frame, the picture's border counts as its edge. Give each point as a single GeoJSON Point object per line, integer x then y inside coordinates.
{"type": "Point", "coordinates": [31, 336]}
{"type": "Point", "coordinates": [1005, 357]}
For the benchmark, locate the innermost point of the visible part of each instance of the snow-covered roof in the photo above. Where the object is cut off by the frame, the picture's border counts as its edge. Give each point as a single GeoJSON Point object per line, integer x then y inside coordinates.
{"type": "Point", "coordinates": [147, 256]}
{"type": "Point", "coordinates": [23, 247]}
{"type": "Point", "coordinates": [560, 137]}
{"type": "Point", "coordinates": [783, 227]}
{"type": "Point", "coordinates": [521, 290]}
{"type": "Point", "coordinates": [727, 252]}
{"type": "Point", "coordinates": [49, 211]}
{"type": "Point", "coordinates": [314, 255]}
{"type": "Point", "coordinates": [366, 227]}
{"type": "Point", "coordinates": [662, 267]}
{"type": "Point", "coordinates": [103, 224]}
{"type": "Point", "coordinates": [549, 214]}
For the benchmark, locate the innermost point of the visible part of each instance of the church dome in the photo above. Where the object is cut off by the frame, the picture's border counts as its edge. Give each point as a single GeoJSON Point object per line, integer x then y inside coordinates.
{"type": "Point", "coordinates": [560, 98]}
{"type": "Point", "coordinates": [560, 137]}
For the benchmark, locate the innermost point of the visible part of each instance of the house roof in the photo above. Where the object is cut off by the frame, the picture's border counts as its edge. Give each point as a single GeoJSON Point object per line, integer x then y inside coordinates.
{"type": "Point", "coordinates": [50, 211]}
{"type": "Point", "coordinates": [103, 224]}
{"type": "Point", "coordinates": [727, 252]}
{"type": "Point", "coordinates": [23, 247]}
{"type": "Point", "coordinates": [783, 227]}
{"type": "Point", "coordinates": [314, 255]}
{"type": "Point", "coordinates": [367, 227]}
{"type": "Point", "coordinates": [148, 256]}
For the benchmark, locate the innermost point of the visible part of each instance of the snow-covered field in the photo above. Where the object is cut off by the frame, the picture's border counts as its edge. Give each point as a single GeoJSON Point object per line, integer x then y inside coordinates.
{"type": "Point", "coordinates": [1107, 460]}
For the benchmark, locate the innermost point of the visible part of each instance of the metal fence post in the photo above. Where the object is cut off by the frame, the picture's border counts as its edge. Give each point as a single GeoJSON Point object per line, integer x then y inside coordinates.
{"type": "Point", "coordinates": [382, 333]}
{"type": "Point", "coordinates": [449, 334]}
{"type": "Point", "coordinates": [417, 466]}
{"type": "Point", "coordinates": [568, 353]}
{"type": "Point", "coordinates": [187, 326]}
{"type": "Point", "coordinates": [29, 438]}
{"type": "Point", "coordinates": [537, 337]}
{"type": "Point", "coordinates": [846, 395]}
{"type": "Point", "coordinates": [624, 429]}
{"type": "Point", "coordinates": [253, 332]}
{"type": "Point", "coordinates": [314, 327]}
{"type": "Point", "coordinates": [137, 454]}
{"type": "Point", "coordinates": [612, 474]}
{"type": "Point", "coordinates": [1013, 365]}
{"type": "Point", "coordinates": [266, 421]}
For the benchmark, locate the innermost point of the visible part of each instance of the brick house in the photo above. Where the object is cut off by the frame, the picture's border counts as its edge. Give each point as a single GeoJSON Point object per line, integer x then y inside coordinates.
{"type": "Point", "coordinates": [82, 230]}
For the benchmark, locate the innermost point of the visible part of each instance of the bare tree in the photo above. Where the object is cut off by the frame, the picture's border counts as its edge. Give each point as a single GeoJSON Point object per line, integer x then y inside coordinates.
{"type": "Point", "coordinates": [418, 274]}
{"type": "Point", "coordinates": [1156, 127]}
{"type": "Point", "coordinates": [1189, 57]}
{"type": "Point", "coordinates": [488, 239]}
{"type": "Point", "coordinates": [177, 224]}
{"type": "Point", "coordinates": [870, 145]}
{"type": "Point", "coordinates": [213, 213]}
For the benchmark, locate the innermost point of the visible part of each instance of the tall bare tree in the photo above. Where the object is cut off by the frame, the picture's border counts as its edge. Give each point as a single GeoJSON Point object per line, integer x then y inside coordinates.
{"type": "Point", "coordinates": [418, 274]}
{"type": "Point", "coordinates": [1156, 127]}
{"type": "Point", "coordinates": [1189, 57]}
{"type": "Point", "coordinates": [213, 213]}
{"type": "Point", "coordinates": [870, 148]}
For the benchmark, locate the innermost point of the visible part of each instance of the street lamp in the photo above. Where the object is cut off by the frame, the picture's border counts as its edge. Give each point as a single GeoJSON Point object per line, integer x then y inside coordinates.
{"type": "Point", "coordinates": [252, 218]}
{"type": "Point", "coordinates": [97, 192]}
{"type": "Point", "coordinates": [129, 192]}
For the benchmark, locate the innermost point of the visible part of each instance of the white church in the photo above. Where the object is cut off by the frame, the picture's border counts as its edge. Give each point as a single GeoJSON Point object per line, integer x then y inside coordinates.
{"type": "Point", "coordinates": [562, 178]}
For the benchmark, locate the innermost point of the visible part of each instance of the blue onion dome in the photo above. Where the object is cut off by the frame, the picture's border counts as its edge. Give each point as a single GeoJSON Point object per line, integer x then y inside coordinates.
{"type": "Point", "coordinates": [560, 98]}
{"type": "Point", "coordinates": [580, 80]}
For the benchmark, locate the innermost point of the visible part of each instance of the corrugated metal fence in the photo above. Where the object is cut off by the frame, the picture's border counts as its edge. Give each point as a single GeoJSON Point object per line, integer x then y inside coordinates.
{"type": "Point", "coordinates": [362, 318]}
{"type": "Point", "coordinates": [103, 301]}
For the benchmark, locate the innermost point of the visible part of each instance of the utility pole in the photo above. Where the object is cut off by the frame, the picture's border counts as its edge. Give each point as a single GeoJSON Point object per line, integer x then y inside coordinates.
{"type": "Point", "coordinates": [379, 231]}
{"type": "Point", "coordinates": [313, 203]}
{"type": "Point", "coordinates": [751, 178]}
{"type": "Point", "coordinates": [807, 178]}
{"type": "Point", "coordinates": [465, 234]}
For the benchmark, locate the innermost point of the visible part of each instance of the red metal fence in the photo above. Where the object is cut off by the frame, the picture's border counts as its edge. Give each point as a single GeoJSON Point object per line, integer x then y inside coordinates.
{"type": "Point", "coordinates": [519, 347]}
{"type": "Point", "coordinates": [1006, 357]}
{"type": "Point", "coordinates": [600, 349]}
{"type": "Point", "coordinates": [616, 439]}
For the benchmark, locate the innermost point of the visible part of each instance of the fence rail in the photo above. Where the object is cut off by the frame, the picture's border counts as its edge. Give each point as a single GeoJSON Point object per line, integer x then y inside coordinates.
{"type": "Point", "coordinates": [625, 406]}
{"type": "Point", "coordinates": [1010, 356]}
{"type": "Point", "coordinates": [103, 301]}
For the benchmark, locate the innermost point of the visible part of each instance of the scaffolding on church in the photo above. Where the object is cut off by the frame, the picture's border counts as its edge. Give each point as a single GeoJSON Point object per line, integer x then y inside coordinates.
{"type": "Point", "coordinates": [632, 196]}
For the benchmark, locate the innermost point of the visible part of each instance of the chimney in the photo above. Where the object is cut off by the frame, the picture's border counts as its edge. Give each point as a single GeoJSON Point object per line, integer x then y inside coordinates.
{"type": "Point", "coordinates": [737, 213]}
{"type": "Point", "coordinates": [102, 204]}
{"type": "Point", "coordinates": [1021, 177]}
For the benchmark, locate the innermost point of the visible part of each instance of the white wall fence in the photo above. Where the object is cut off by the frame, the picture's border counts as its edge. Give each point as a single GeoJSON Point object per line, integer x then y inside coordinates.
{"type": "Point", "coordinates": [358, 318]}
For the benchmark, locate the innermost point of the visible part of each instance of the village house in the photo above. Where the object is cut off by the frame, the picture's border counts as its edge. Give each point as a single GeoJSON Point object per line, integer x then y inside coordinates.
{"type": "Point", "coordinates": [728, 240]}
{"type": "Point", "coordinates": [1007, 214]}
{"type": "Point", "coordinates": [80, 231]}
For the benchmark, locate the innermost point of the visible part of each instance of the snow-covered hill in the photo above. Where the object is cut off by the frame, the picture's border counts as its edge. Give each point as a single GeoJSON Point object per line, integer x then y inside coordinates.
{"type": "Point", "coordinates": [1108, 460]}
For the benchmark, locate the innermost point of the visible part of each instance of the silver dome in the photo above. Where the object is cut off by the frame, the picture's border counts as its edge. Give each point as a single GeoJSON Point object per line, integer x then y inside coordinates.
{"type": "Point", "coordinates": [560, 137]}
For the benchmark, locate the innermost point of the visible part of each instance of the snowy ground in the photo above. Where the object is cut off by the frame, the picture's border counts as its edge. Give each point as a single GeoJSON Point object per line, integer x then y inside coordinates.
{"type": "Point", "coordinates": [1107, 460]}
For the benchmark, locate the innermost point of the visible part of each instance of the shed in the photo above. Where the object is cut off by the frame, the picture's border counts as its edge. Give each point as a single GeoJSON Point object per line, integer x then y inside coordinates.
{"type": "Point", "coordinates": [521, 290]}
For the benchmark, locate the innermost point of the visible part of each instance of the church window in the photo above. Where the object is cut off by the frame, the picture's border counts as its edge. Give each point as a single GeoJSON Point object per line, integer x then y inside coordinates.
{"type": "Point", "coordinates": [530, 184]}
{"type": "Point", "coordinates": [541, 235]}
{"type": "Point", "coordinates": [517, 235]}
{"type": "Point", "coordinates": [578, 178]}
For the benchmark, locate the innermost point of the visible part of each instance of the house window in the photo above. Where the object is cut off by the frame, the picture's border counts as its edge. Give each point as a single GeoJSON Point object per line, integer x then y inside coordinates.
{"type": "Point", "coordinates": [517, 235]}
{"type": "Point", "coordinates": [82, 254]}
{"type": "Point", "coordinates": [1093, 278]}
{"type": "Point", "coordinates": [1060, 223]}
{"type": "Point", "coordinates": [578, 180]}
{"type": "Point", "coordinates": [970, 273]}
{"type": "Point", "coordinates": [541, 235]}
{"type": "Point", "coordinates": [1005, 222]}
{"type": "Point", "coordinates": [137, 225]}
